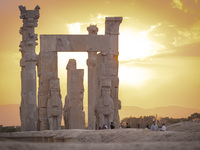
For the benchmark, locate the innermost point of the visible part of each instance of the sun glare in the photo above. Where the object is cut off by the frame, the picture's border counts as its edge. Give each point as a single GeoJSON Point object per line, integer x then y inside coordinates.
{"type": "Point", "coordinates": [135, 76]}
{"type": "Point", "coordinates": [134, 45]}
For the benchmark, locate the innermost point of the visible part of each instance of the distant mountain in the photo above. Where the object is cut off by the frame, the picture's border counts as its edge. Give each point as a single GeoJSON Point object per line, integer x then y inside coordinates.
{"type": "Point", "coordinates": [168, 111]}
{"type": "Point", "coordinates": [9, 114]}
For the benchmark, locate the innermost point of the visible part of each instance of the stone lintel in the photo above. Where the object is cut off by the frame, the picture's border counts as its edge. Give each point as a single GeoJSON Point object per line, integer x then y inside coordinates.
{"type": "Point", "coordinates": [116, 19]}
{"type": "Point", "coordinates": [79, 43]}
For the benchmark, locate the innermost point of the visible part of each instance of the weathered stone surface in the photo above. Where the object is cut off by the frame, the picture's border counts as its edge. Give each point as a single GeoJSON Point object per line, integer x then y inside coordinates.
{"type": "Point", "coordinates": [77, 43]}
{"type": "Point", "coordinates": [54, 105]}
{"type": "Point", "coordinates": [74, 116]}
{"type": "Point", "coordinates": [103, 82]}
{"type": "Point", "coordinates": [91, 63]}
{"type": "Point", "coordinates": [49, 97]}
{"type": "Point", "coordinates": [112, 25]}
{"type": "Point", "coordinates": [112, 28]}
{"type": "Point", "coordinates": [105, 104]}
{"type": "Point", "coordinates": [28, 108]}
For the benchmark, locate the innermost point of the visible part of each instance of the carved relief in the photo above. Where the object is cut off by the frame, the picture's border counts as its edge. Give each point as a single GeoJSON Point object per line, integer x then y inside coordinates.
{"type": "Point", "coordinates": [103, 81]}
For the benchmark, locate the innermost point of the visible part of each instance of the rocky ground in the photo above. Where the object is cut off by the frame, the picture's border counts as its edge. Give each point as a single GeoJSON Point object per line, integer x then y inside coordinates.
{"type": "Point", "coordinates": [183, 136]}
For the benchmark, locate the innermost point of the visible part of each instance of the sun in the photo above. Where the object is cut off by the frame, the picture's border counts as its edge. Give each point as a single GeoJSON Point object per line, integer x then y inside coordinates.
{"type": "Point", "coordinates": [134, 75]}
{"type": "Point", "coordinates": [135, 45]}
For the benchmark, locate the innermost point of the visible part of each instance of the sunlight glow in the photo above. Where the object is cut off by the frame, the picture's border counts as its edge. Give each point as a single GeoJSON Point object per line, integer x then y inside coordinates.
{"type": "Point", "coordinates": [135, 76]}
{"type": "Point", "coordinates": [134, 45]}
{"type": "Point", "coordinates": [74, 28]}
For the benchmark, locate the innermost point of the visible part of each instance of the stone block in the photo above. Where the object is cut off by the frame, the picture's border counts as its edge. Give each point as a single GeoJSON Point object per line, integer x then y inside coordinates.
{"type": "Point", "coordinates": [105, 82]}
{"type": "Point", "coordinates": [76, 43]}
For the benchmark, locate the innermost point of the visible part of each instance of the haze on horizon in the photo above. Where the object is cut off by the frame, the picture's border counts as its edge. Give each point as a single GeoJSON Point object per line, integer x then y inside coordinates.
{"type": "Point", "coordinates": [159, 47]}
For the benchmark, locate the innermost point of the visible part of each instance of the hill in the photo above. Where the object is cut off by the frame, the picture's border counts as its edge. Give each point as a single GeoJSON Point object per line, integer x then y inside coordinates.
{"type": "Point", "coordinates": [9, 114]}
{"type": "Point", "coordinates": [168, 111]}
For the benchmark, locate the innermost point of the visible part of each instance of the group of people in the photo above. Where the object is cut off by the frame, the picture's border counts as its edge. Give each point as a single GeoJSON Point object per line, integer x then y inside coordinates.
{"type": "Point", "coordinates": [154, 127]}
{"type": "Point", "coordinates": [112, 126]}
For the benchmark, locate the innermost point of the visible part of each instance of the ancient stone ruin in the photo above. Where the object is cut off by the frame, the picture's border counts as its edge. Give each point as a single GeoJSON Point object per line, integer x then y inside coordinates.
{"type": "Point", "coordinates": [103, 81]}
{"type": "Point", "coordinates": [74, 116]}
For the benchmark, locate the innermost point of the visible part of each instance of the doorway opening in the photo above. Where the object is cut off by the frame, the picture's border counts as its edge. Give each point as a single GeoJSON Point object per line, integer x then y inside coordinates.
{"type": "Point", "coordinates": [81, 63]}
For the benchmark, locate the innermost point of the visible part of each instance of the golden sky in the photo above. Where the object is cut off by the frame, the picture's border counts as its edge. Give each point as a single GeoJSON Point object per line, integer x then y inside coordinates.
{"type": "Point", "coordinates": [159, 46]}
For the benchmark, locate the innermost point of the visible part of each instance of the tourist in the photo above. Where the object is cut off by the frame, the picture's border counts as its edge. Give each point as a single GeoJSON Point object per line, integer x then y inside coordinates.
{"type": "Point", "coordinates": [147, 126]}
{"type": "Point", "coordinates": [112, 125]}
{"type": "Point", "coordinates": [163, 127]}
{"type": "Point", "coordinates": [105, 126]}
{"type": "Point", "coordinates": [127, 126]}
{"type": "Point", "coordinates": [154, 127]}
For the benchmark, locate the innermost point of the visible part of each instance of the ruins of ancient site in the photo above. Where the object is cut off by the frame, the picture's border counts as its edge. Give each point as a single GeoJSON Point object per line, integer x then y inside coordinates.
{"type": "Point", "coordinates": [103, 80]}
{"type": "Point", "coordinates": [137, 87]}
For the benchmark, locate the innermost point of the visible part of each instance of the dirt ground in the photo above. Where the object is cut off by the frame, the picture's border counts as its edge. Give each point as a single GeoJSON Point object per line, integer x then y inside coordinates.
{"type": "Point", "coordinates": [183, 136]}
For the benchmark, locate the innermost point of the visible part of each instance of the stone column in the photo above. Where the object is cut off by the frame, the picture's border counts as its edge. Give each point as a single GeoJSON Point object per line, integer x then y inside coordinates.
{"type": "Point", "coordinates": [28, 108]}
{"type": "Point", "coordinates": [112, 28]}
{"type": "Point", "coordinates": [91, 62]}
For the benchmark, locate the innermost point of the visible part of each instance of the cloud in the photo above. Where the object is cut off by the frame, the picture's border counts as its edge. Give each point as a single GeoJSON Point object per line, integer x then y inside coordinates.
{"type": "Point", "coordinates": [182, 13]}
{"type": "Point", "coordinates": [191, 50]}
{"type": "Point", "coordinates": [177, 4]}
{"type": "Point", "coordinates": [74, 28]}
{"type": "Point", "coordinates": [98, 19]}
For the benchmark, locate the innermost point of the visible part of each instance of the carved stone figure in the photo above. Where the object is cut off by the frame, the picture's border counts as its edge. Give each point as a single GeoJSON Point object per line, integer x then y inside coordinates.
{"type": "Point", "coordinates": [54, 105]}
{"type": "Point", "coordinates": [74, 115]}
{"type": "Point", "coordinates": [112, 29]}
{"type": "Point", "coordinates": [103, 81]}
{"type": "Point", "coordinates": [105, 105]}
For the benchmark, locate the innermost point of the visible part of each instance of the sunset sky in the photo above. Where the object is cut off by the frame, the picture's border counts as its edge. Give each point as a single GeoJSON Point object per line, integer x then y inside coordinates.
{"type": "Point", "coordinates": [159, 47]}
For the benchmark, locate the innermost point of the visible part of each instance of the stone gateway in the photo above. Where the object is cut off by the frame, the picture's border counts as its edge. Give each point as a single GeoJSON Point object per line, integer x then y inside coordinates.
{"type": "Point", "coordinates": [103, 81]}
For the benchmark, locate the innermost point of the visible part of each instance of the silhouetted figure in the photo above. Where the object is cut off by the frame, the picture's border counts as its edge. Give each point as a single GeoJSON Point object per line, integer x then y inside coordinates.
{"type": "Point", "coordinates": [147, 126]}
{"type": "Point", "coordinates": [138, 125]}
{"type": "Point", "coordinates": [112, 125]}
{"type": "Point", "coordinates": [127, 126]}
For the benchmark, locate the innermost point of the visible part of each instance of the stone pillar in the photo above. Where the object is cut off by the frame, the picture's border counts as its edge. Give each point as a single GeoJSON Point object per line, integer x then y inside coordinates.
{"type": "Point", "coordinates": [112, 28]}
{"type": "Point", "coordinates": [74, 116]}
{"type": "Point", "coordinates": [91, 62]}
{"type": "Point", "coordinates": [28, 108]}
{"type": "Point", "coordinates": [48, 87]}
